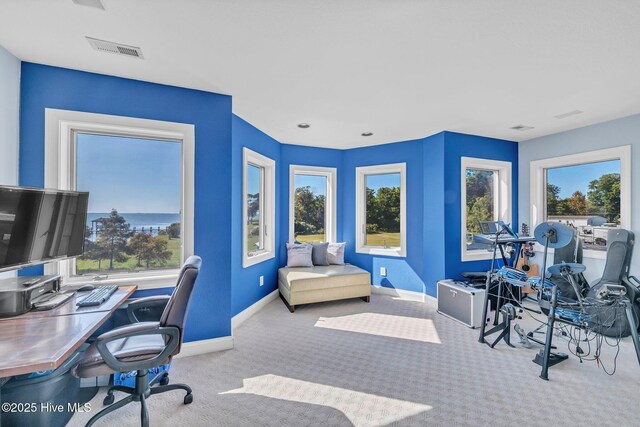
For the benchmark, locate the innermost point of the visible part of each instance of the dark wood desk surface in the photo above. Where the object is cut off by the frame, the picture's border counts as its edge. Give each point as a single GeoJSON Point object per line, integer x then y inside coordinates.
{"type": "Point", "coordinates": [38, 341]}
{"type": "Point", "coordinates": [69, 307]}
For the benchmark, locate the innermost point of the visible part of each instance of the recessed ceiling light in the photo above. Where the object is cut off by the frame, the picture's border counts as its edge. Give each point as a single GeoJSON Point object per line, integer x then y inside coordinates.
{"type": "Point", "coordinates": [521, 127]}
{"type": "Point", "coordinates": [568, 114]}
{"type": "Point", "coordinates": [97, 4]}
{"type": "Point", "coordinates": [367, 133]}
{"type": "Point", "coordinates": [304, 125]}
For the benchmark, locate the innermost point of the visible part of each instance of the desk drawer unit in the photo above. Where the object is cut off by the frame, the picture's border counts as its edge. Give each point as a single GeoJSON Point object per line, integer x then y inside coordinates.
{"type": "Point", "coordinates": [460, 302]}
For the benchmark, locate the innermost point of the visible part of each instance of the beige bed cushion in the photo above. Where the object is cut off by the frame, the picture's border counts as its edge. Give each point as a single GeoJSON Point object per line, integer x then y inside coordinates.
{"type": "Point", "coordinates": [326, 294]}
{"type": "Point", "coordinates": [301, 279]}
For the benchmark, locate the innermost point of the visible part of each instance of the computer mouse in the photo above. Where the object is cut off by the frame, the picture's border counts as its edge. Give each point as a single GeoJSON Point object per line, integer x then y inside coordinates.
{"type": "Point", "coordinates": [86, 288]}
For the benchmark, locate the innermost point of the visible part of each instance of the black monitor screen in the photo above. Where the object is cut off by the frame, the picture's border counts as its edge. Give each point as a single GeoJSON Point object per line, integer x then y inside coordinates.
{"type": "Point", "coordinates": [492, 227]}
{"type": "Point", "coordinates": [39, 225]}
{"type": "Point", "coordinates": [488, 227]}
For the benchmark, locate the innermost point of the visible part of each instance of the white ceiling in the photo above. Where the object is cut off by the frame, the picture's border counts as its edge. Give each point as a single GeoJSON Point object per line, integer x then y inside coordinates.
{"type": "Point", "coordinates": [402, 69]}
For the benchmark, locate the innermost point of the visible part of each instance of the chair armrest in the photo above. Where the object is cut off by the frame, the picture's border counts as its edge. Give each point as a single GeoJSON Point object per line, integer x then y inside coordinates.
{"type": "Point", "coordinates": [144, 328]}
{"type": "Point", "coordinates": [158, 301]}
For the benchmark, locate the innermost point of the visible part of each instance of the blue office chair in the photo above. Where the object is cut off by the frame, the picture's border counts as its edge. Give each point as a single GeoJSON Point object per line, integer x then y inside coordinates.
{"type": "Point", "coordinates": [143, 345]}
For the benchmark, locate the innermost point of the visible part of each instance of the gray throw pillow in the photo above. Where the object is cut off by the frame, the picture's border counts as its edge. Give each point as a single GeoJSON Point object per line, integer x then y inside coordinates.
{"type": "Point", "coordinates": [299, 255]}
{"type": "Point", "coordinates": [335, 253]}
{"type": "Point", "coordinates": [319, 253]}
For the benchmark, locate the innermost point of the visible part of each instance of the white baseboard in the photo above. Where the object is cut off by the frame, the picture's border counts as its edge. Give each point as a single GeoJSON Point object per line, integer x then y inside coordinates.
{"type": "Point", "coordinates": [245, 314]}
{"type": "Point", "coordinates": [195, 348]}
{"type": "Point", "coordinates": [401, 293]}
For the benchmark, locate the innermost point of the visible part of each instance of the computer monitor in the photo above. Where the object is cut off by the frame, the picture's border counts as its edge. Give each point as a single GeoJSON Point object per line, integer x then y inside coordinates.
{"type": "Point", "coordinates": [39, 225]}
{"type": "Point", "coordinates": [492, 227]}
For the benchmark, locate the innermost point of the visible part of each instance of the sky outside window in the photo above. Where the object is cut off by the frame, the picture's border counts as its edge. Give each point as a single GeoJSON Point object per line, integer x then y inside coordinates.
{"type": "Point", "coordinates": [577, 177]}
{"type": "Point", "coordinates": [129, 174]}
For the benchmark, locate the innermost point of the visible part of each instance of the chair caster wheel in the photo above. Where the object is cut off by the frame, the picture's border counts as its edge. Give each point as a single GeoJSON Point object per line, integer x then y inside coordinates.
{"type": "Point", "coordinates": [164, 380]}
{"type": "Point", "coordinates": [108, 400]}
{"type": "Point", "coordinates": [188, 399]}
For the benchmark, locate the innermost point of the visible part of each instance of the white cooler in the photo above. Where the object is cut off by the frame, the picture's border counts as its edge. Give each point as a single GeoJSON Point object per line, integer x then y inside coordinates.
{"type": "Point", "coordinates": [460, 302]}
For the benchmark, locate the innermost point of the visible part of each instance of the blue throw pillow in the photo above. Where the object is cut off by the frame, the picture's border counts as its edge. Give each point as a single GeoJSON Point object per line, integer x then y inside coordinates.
{"type": "Point", "coordinates": [319, 253]}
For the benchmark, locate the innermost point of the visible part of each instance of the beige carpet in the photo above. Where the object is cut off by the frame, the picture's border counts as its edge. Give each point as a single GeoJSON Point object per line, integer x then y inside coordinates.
{"type": "Point", "coordinates": [390, 362]}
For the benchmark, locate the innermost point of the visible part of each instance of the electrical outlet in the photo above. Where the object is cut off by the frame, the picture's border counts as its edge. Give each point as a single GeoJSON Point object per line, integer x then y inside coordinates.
{"type": "Point", "coordinates": [261, 280]}
{"type": "Point", "coordinates": [383, 271]}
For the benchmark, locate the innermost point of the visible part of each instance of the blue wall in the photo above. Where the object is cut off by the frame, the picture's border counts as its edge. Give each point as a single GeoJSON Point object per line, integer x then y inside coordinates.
{"type": "Point", "coordinates": [459, 145]}
{"type": "Point", "coordinates": [225, 288]}
{"type": "Point", "coordinates": [51, 87]}
{"type": "Point", "coordinates": [433, 196]}
{"type": "Point", "coordinates": [246, 288]}
{"type": "Point", "coordinates": [404, 273]}
{"type": "Point", "coordinates": [433, 206]}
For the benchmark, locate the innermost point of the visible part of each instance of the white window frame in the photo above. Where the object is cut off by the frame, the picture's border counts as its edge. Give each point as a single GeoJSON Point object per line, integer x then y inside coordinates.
{"type": "Point", "coordinates": [503, 203]}
{"type": "Point", "coordinates": [538, 184]}
{"type": "Point", "coordinates": [267, 204]}
{"type": "Point", "coordinates": [361, 214]}
{"type": "Point", "coordinates": [61, 128]}
{"type": "Point", "coordinates": [330, 208]}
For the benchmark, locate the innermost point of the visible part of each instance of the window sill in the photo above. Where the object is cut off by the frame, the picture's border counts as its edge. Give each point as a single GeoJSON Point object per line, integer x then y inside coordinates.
{"type": "Point", "coordinates": [586, 254]}
{"type": "Point", "coordinates": [378, 250]}
{"type": "Point", "coordinates": [257, 259]}
{"type": "Point", "coordinates": [481, 255]}
{"type": "Point", "coordinates": [166, 279]}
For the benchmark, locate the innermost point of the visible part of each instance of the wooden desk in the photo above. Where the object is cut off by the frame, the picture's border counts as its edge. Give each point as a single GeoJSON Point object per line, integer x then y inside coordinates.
{"type": "Point", "coordinates": [70, 307]}
{"type": "Point", "coordinates": [43, 340]}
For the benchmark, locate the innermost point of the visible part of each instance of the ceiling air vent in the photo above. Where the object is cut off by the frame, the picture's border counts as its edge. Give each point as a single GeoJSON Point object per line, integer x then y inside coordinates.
{"type": "Point", "coordinates": [117, 48]}
{"type": "Point", "coordinates": [569, 114]}
{"type": "Point", "coordinates": [91, 3]}
{"type": "Point", "coordinates": [521, 128]}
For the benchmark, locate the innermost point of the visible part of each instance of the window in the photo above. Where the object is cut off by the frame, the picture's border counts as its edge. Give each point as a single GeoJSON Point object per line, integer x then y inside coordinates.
{"type": "Point", "coordinates": [312, 204]}
{"type": "Point", "coordinates": [485, 196]}
{"type": "Point", "coordinates": [134, 215]}
{"type": "Point", "coordinates": [258, 212]}
{"type": "Point", "coordinates": [588, 191]}
{"type": "Point", "coordinates": [139, 221]}
{"type": "Point", "coordinates": [381, 210]}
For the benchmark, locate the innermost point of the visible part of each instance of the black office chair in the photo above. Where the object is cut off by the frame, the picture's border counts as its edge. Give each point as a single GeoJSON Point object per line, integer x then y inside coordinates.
{"type": "Point", "coordinates": [614, 323]}
{"type": "Point", "coordinates": [571, 253]}
{"type": "Point", "coordinates": [143, 345]}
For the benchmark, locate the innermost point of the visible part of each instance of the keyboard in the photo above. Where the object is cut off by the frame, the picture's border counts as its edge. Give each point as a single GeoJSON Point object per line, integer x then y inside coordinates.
{"type": "Point", "coordinates": [490, 239]}
{"type": "Point", "coordinates": [98, 296]}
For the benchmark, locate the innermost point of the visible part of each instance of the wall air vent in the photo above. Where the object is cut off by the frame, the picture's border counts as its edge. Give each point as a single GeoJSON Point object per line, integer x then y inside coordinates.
{"type": "Point", "coordinates": [521, 128]}
{"type": "Point", "coordinates": [117, 48]}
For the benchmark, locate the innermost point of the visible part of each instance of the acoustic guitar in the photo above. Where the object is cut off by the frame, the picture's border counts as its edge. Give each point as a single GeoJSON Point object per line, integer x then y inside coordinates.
{"type": "Point", "coordinates": [524, 261]}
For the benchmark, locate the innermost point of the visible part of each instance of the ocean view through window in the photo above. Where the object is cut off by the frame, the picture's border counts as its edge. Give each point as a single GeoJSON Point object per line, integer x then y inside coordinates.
{"type": "Point", "coordinates": [134, 220]}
